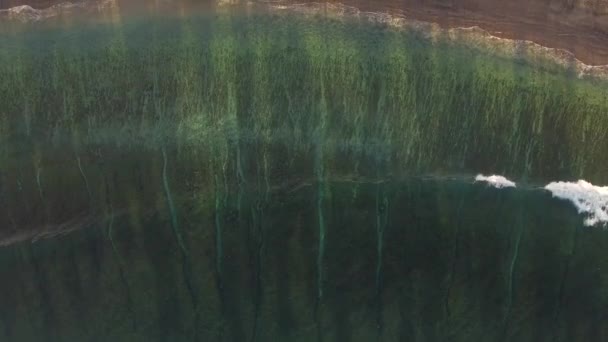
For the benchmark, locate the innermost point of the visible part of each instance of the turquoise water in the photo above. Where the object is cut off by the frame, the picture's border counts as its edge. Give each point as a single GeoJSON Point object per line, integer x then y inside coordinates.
{"type": "Point", "coordinates": [264, 177]}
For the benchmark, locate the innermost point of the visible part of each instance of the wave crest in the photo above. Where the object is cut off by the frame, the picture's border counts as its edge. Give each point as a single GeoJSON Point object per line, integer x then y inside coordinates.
{"type": "Point", "coordinates": [587, 198]}
{"type": "Point", "coordinates": [496, 181]}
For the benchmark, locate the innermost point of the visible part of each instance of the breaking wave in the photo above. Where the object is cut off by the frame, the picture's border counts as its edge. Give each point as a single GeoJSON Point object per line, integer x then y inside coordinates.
{"type": "Point", "coordinates": [588, 199]}
{"type": "Point", "coordinates": [496, 181]}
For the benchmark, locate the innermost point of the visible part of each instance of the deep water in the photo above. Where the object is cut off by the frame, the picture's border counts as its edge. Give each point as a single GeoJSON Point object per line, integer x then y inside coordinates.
{"type": "Point", "coordinates": [265, 177]}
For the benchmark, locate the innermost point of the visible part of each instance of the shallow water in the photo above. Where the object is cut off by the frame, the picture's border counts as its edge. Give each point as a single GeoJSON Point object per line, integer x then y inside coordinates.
{"type": "Point", "coordinates": [248, 176]}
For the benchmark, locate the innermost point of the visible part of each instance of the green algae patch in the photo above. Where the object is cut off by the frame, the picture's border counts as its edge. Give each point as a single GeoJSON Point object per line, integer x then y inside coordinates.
{"type": "Point", "coordinates": [356, 89]}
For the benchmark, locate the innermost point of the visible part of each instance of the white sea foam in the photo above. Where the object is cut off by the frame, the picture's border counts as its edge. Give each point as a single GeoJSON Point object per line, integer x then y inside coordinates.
{"type": "Point", "coordinates": [587, 198]}
{"type": "Point", "coordinates": [496, 181]}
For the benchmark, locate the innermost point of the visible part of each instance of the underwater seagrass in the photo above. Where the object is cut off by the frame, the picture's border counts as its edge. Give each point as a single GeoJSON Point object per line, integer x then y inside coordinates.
{"type": "Point", "coordinates": [278, 177]}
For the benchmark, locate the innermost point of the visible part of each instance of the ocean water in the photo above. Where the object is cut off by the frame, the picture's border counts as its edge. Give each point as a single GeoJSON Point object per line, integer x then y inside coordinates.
{"type": "Point", "coordinates": [254, 176]}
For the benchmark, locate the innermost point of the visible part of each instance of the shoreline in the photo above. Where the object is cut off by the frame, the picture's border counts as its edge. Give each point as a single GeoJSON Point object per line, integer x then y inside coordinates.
{"type": "Point", "coordinates": [578, 27]}
{"type": "Point", "coordinates": [473, 37]}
